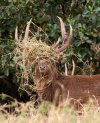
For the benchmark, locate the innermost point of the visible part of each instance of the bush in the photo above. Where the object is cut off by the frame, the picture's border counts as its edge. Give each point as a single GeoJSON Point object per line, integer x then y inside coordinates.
{"type": "Point", "coordinates": [83, 15]}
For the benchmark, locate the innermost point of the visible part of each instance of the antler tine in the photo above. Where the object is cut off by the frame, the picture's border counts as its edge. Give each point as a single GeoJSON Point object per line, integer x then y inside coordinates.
{"type": "Point", "coordinates": [73, 70]}
{"type": "Point", "coordinates": [66, 70]}
{"type": "Point", "coordinates": [57, 43]}
{"type": "Point", "coordinates": [27, 30]}
{"type": "Point", "coordinates": [66, 40]}
{"type": "Point", "coordinates": [70, 35]}
{"type": "Point", "coordinates": [63, 30]}
{"type": "Point", "coordinates": [16, 34]}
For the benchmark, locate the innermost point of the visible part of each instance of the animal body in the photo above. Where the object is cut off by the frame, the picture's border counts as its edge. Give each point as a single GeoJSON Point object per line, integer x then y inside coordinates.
{"type": "Point", "coordinates": [55, 87]}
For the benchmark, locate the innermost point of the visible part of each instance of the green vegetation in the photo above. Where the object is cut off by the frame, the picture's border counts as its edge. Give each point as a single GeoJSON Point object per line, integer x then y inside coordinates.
{"type": "Point", "coordinates": [85, 51]}
{"type": "Point", "coordinates": [47, 113]}
{"type": "Point", "coordinates": [83, 15]}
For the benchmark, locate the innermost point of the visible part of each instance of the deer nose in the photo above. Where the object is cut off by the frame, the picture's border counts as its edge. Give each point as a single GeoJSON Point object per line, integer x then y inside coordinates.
{"type": "Point", "coordinates": [42, 67]}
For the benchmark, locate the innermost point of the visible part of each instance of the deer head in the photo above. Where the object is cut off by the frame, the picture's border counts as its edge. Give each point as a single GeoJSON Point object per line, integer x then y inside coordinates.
{"type": "Point", "coordinates": [45, 70]}
{"type": "Point", "coordinates": [43, 64]}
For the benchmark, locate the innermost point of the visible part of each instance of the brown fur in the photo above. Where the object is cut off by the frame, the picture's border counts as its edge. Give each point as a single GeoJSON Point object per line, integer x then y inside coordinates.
{"type": "Point", "coordinates": [55, 87]}
{"type": "Point", "coordinates": [51, 85]}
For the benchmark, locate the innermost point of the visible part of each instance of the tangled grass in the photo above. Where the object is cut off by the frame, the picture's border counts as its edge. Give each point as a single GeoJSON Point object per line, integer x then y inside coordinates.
{"type": "Point", "coordinates": [25, 54]}
{"type": "Point", "coordinates": [47, 113]}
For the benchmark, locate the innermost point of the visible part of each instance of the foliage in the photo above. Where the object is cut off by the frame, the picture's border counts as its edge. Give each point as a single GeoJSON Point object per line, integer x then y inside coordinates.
{"type": "Point", "coordinates": [83, 15]}
{"type": "Point", "coordinates": [44, 108]}
{"type": "Point", "coordinates": [26, 113]}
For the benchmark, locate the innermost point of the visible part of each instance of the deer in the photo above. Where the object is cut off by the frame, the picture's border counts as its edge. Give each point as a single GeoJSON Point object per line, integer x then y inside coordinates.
{"type": "Point", "coordinates": [55, 87]}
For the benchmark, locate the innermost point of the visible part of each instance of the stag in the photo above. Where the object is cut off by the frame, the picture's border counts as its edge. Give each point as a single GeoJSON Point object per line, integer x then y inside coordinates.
{"type": "Point", "coordinates": [56, 87]}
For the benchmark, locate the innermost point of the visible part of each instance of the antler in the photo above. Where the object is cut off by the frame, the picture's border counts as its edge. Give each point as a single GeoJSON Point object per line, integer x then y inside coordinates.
{"type": "Point", "coordinates": [73, 69]}
{"type": "Point", "coordinates": [65, 39]}
{"type": "Point", "coordinates": [26, 32]}
{"type": "Point", "coordinates": [16, 34]}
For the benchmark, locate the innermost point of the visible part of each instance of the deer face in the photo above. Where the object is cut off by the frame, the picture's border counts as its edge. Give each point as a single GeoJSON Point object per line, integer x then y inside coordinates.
{"type": "Point", "coordinates": [43, 65]}
{"type": "Point", "coordinates": [45, 71]}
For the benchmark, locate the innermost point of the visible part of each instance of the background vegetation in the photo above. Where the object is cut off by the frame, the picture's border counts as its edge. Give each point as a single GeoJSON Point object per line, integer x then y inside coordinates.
{"type": "Point", "coordinates": [85, 51]}
{"type": "Point", "coordinates": [83, 15]}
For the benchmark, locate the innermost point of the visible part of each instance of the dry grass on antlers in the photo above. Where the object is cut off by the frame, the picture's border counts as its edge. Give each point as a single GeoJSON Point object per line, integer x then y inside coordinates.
{"type": "Point", "coordinates": [25, 55]}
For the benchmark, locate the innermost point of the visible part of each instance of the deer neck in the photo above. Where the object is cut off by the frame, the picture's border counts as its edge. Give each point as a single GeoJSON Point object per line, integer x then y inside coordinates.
{"type": "Point", "coordinates": [44, 88]}
{"type": "Point", "coordinates": [44, 84]}
{"type": "Point", "coordinates": [42, 80]}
